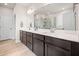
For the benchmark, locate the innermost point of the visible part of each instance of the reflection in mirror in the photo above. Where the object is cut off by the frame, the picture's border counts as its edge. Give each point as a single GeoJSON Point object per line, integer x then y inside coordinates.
{"type": "Point", "coordinates": [21, 24]}
{"type": "Point", "coordinates": [56, 15]}
{"type": "Point", "coordinates": [42, 21]}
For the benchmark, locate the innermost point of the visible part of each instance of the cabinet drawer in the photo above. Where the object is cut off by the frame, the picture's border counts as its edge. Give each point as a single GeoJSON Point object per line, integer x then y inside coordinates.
{"type": "Point", "coordinates": [38, 36]}
{"type": "Point", "coordinates": [24, 36]}
{"type": "Point", "coordinates": [24, 32]}
{"type": "Point", "coordinates": [51, 50]}
{"type": "Point", "coordinates": [59, 42]}
{"type": "Point", "coordinates": [29, 34]}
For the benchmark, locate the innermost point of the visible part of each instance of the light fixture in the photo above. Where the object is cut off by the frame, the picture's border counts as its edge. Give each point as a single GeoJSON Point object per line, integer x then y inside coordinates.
{"type": "Point", "coordinates": [5, 4]}
{"type": "Point", "coordinates": [30, 11]}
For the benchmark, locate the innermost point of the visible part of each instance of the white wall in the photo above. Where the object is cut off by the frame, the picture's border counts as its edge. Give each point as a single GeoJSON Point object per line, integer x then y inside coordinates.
{"type": "Point", "coordinates": [22, 16]}
{"type": "Point", "coordinates": [77, 21]}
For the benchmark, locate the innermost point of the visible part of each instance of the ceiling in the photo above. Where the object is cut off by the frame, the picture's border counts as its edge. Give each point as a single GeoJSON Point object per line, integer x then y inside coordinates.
{"type": "Point", "coordinates": [27, 5]}
{"type": "Point", "coordinates": [40, 7]}
{"type": "Point", "coordinates": [32, 5]}
{"type": "Point", "coordinates": [54, 7]}
{"type": "Point", "coordinates": [9, 5]}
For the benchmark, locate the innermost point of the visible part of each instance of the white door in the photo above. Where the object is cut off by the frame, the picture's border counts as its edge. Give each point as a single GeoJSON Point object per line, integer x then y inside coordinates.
{"type": "Point", "coordinates": [7, 27]}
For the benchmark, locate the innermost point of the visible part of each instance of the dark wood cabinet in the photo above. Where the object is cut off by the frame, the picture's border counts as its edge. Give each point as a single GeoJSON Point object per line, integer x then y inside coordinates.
{"type": "Point", "coordinates": [57, 47]}
{"type": "Point", "coordinates": [23, 37]}
{"type": "Point", "coordinates": [38, 44]}
{"type": "Point", "coordinates": [29, 40]}
{"type": "Point", "coordinates": [75, 49]}
{"type": "Point", "coordinates": [49, 46]}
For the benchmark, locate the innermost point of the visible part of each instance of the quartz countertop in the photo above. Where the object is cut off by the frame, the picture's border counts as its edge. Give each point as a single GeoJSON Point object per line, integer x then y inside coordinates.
{"type": "Point", "coordinates": [62, 34]}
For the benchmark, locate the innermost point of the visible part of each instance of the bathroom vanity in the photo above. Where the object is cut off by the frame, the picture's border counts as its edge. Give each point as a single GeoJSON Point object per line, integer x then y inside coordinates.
{"type": "Point", "coordinates": [59, 36]}
{"type": "Point", "coordinates": [45, 44]}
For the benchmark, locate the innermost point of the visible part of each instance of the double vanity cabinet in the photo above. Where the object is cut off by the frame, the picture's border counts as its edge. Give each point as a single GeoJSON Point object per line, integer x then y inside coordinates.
{"type": "Point", "coordinates": [43, 45]}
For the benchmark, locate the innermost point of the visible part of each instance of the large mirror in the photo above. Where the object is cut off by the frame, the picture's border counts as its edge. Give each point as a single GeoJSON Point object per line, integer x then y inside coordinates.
{"type": "Point", "coordinates": [57, 15]}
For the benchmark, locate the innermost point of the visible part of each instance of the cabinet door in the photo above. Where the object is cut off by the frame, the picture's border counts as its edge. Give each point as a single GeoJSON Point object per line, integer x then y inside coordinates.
{"type": "Point", "coordinates": [20, 35]}
{"type": "Point", "coordinates": [29, 37]}
{"type": "Point", "coordinates": [29, 45]}
{"type": "Point", "coordinates": [29, 40]}
{"type": "Point", "coordinates": [38, 47]}
{"type": "Point", "coordinates": [51, 50]}
{"type": "Point", "coordinates": [23, 37]}
{"type": "Point", "coordinates": [75, 49]}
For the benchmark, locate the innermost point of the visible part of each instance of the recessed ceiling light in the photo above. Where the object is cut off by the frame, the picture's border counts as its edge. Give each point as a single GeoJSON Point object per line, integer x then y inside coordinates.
{"type": "Point", "coordinates": [5, 4]}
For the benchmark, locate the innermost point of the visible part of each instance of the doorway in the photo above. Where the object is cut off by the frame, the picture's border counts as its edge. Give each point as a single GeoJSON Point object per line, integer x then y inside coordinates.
{"type": "Point", "coordinates": [7, 24]}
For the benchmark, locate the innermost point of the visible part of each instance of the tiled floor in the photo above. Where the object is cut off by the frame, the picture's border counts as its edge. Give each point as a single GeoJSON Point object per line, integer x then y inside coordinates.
{"type": "Point", "coordinates": [11, 48]}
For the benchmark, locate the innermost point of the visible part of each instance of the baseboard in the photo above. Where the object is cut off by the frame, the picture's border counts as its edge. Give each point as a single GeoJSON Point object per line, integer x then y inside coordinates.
{"type": "Point", "coordinates": [6, 39]}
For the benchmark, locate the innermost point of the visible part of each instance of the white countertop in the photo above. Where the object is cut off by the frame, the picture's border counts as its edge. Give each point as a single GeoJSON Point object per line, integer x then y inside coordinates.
{"type": "Point", "coordinates": [62, 34]}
